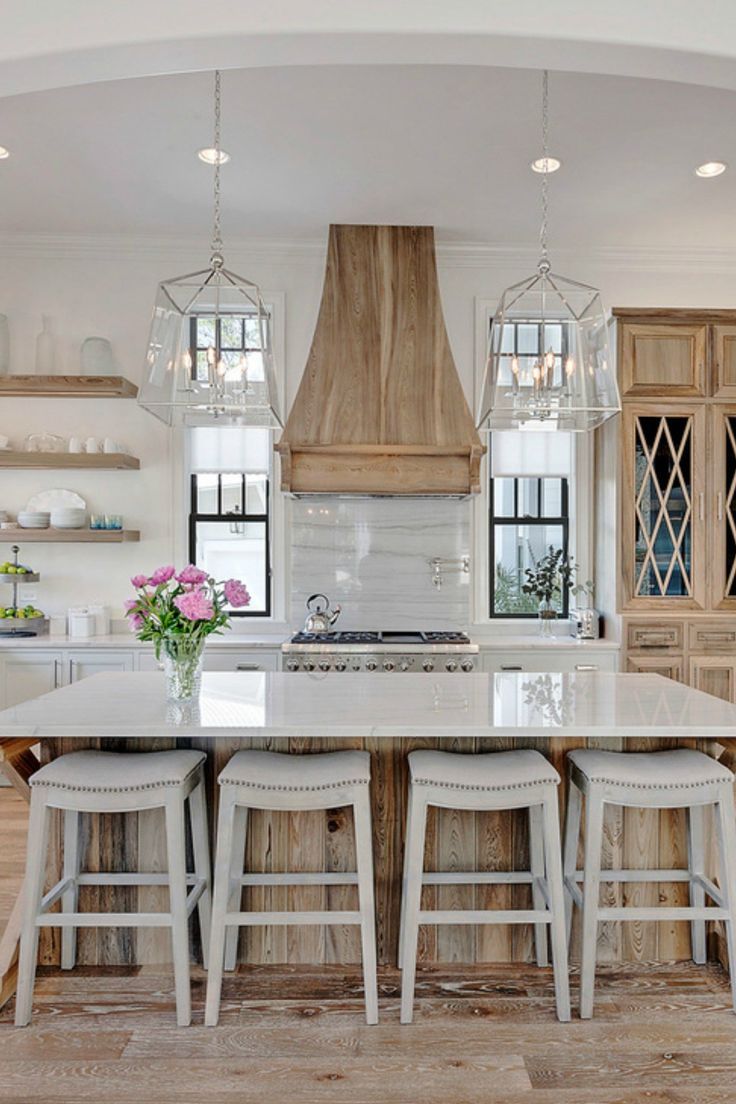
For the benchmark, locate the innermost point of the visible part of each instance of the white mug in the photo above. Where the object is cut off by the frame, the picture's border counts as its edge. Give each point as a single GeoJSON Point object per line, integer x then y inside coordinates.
{"type": "Point", "coordinates": [3, 441]}
{"type": "Point", "coordinates": [92, 444]}
{"type": "Point", "coordinates": [75, 444]}
{"type": "Point", "coordinates": [108, 445]}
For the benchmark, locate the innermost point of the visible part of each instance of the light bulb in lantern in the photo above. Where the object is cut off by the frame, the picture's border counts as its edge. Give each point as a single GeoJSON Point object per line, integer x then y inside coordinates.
{"type": "Point", "coordinates": [221, 368]}
{"type": "Point", "coordinates": [549, 360]}
{"type": "Point", "coordinates": [211, 357]}
{"type": "Point", "coordinates": [515, 365]}
{"type": "Point", "coordinates": [187, 360]}
{"type": "Point", "coordinates": [243, 365]}
{"type": "Point", "coordinates": [569, 367]}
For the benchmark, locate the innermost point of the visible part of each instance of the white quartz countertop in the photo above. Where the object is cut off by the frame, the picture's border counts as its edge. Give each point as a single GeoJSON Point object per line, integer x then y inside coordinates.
{"type": "Point", "coordinates": [583, 704]}
{"type": "Point", "coordinates": [254, 641]}
{"type": "Point", "coordinates": [126, 640]}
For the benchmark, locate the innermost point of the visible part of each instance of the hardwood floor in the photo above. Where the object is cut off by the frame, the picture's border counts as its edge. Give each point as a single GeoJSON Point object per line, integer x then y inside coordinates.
{"type": "Point", "coordinates": [13, 827]}
{"type": "Point", "coordinates": [662, 1034]}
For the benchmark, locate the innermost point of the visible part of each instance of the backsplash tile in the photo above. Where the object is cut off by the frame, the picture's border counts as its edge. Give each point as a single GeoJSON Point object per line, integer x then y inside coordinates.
{"type": "Point", "coordinates": [371, 556]}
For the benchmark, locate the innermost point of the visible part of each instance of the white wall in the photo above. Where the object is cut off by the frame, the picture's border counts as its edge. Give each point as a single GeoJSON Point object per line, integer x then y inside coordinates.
{"type": "Point", "coordinates": [106, 288]}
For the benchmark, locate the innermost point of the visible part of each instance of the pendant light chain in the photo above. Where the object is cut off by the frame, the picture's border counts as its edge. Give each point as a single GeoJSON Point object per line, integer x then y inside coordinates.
{"type": "Point", "coordinates": [216, 231]}
{"type": "Point", "coordinates": [543, 231]}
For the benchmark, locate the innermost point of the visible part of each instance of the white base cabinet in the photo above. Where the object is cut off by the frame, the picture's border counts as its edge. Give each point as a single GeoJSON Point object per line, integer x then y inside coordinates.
{"type": "Point", "coordinates": [549, 659]}
{"type": "Point", "coordinates": [26, 675]}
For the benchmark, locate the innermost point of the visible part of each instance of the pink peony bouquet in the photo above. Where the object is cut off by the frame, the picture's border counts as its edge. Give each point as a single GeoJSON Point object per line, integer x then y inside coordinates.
{"type": "Point", "coordinates": [177, 611]}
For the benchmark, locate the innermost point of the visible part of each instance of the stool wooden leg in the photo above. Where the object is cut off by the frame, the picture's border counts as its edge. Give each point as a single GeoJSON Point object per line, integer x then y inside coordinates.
{"type": "Point", "coordinates": [405, 875]}
{"type": "Point", "coordinates": [551, 841]}
{"type": "Point", "coordinates": [696, 865]}
{"type": "Point", "coordinates": [223, 860]}
{"type": "Point", "coordinates": [572, 837]}
{"type": "Point", "coordinates": [38, 831]}
{"type": "Point", "coordinates": [536, 866]}
{"type": "Point", "coordinates": [176, 854]}
{"type": "Point", "coordinates": [237, 865]}
{"type": "Point", "coordinates": [70, 897]}
{"type": "Point", "coordinates": [591, 893]}
{"type": "Point", "coordinates": [726, 831]}
{"type": "Point", "coordinates": [364, 854]}
{"type": "Point", "coordinates": [201, 849]}
{"type": "Point", "coordinates": [414, 863]}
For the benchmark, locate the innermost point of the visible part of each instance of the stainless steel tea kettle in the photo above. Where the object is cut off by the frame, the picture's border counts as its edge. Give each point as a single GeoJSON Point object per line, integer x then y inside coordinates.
{"type": "Point", "coordinates": [321, 618]}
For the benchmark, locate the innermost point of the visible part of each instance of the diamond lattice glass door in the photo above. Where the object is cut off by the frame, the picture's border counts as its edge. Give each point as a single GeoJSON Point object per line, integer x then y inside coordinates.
{"type": "Point", "coordinates": [667, 505]}
{"type": "Point", "coordinates": [724, 525]}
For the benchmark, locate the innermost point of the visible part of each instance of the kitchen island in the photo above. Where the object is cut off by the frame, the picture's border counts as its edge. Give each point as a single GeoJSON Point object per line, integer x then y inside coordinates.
{"type": "Point", "coordinates": [388, 715]}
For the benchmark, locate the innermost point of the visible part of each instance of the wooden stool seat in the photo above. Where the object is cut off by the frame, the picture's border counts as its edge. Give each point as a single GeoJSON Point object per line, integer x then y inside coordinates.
{"type": "Point", "coordinates": [271, 780]}
{"type": "Point", "coordinates": [680, 778]}
{"type": "Point", "coordinates": [110, 782]}
{"type": "Point", "coordinates": [499, 780]}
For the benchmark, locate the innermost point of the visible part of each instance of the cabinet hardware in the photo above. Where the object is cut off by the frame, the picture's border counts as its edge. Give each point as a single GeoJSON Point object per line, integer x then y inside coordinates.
{"type": "Point", "coordinates": [702, 506]}
{"type": "Point", "coordinates": [512, 667]}
{"type": "Point", "coordinates": [587, 667]}
{"type": "Point", "coordinates": [56, 674]}
{"type": "Point", "coordinates": [719, 500]}
{"type": "Point", "coordinates": [248, 667]}
{"type": "Point", "coordinates": [716, 637]}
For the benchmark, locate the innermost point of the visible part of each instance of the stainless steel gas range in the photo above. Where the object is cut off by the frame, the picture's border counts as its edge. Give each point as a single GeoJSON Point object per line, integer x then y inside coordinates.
{"type": "Point", "coordinates": [380, 651]}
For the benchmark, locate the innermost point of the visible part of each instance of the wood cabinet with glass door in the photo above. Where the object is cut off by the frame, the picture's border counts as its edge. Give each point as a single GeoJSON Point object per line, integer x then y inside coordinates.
{"type": "Point", "coordinates": [663, 548]}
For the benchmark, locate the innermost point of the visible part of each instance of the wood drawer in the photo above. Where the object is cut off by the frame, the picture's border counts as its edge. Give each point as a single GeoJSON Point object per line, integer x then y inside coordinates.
{"type": "Point", "coordinates": [712, 638]}
{"type": "Point", "coordinates": [655, 636]}
{"type": "Point", "coordinates": [671, 666]}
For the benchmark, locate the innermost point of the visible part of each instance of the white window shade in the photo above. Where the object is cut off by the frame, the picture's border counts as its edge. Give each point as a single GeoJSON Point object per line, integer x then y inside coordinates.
{"type": "Point", "coordinates": [230, 449]}
{"type": "Point", "coordinates": [532, 453]}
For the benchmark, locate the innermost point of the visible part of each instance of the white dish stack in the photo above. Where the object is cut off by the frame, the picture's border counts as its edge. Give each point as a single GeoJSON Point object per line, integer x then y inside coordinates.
{"type": "Point", "coordinates": [68, 517]}
{"type": "Point", "coordinates": [34, 519]}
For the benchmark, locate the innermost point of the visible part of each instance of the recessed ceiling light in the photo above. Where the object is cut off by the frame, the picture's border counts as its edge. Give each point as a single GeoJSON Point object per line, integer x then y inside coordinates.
{"type": "Point", "coordinates": [711, 168]}
{"type": "Point", "coordinates": [211, 157]}
{"type": "Point", "coordinates": [546, 164]}
{"type": "Point", "coordinates": [4, 153]}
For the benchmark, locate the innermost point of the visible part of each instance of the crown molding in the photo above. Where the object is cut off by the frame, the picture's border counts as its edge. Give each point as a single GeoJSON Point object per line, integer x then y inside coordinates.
{"type": "Point", "coordinates": [458, 254]}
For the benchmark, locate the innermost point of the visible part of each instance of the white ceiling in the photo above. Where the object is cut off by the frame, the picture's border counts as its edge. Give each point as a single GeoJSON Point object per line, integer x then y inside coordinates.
{"type": "Point", "coordinates": [444, 145]}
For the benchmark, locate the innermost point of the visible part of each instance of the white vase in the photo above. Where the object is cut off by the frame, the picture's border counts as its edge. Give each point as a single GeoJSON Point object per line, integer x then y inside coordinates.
{"type": "Point", "coordinates": [45, 349]}
{"type": "Point", "coordinates": [4, 346]}
{"type": "Point", "coordinates": [96, 357]}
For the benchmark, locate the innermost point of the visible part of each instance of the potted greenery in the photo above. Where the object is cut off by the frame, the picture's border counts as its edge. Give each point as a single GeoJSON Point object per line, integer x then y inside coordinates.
{"type": "Point", "coordinates": [548, 579]}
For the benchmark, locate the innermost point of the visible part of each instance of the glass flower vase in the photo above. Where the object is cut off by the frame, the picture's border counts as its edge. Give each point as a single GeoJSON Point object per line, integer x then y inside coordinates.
{"type": "Point", "coordinates": [547, 618]}
{"type": "Point", "coordinates": [183, 669]}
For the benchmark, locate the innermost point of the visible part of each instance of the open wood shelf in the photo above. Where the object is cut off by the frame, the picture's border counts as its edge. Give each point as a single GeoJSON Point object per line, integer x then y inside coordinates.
{"type": "Point", "coordinates": [67, 536]}
{"type": "Point", "coordinates": [107, 461]}
{"type": "Point", "coordinates": [80, 387]}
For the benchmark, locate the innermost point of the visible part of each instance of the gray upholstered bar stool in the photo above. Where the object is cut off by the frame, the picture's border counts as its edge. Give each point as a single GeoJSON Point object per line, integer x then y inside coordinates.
{"type": "Point", "coordinates": [499, 780]}
{"type": "Point", "coordinates": [270, 780]}
{"type": "Point", "coordinates": [109, 782]}
{"type": "Point", "coordinates": [677, 779]}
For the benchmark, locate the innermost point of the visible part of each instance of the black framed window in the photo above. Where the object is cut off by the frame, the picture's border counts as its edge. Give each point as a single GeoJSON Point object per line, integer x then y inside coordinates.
{"type": "Point", "coordinates": [238, 338]}
{"type": "Point", "coordinates": [527, 516]}
{"type": "Point", "coordinates": [229, 532]}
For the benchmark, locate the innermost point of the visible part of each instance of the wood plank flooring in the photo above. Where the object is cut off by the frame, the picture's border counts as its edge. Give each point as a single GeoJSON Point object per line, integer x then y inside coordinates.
{"type": "Point", "coordinates": [662, 1034]}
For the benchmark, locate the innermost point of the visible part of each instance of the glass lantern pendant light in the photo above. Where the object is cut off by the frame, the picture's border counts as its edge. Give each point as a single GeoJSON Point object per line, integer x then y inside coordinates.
{"type": "Point", "coordinates": [209, 358]}
{"type": "Point", "coordinates": [549, 363]}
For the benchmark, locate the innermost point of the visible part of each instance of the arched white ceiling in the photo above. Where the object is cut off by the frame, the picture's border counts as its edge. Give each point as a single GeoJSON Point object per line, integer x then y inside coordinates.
{"type": "Point", "coordinates": [448, 146]}
{"type": "Point", "coordinates": [48, 44]}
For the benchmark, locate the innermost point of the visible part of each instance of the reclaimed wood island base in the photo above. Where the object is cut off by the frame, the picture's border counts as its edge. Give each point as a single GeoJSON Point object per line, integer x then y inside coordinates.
{"type": "Point", "coordinates": [389, 716]}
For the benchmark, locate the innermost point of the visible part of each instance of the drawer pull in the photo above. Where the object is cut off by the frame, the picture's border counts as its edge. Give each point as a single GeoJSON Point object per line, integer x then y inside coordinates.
{"type": "Point", "coordinates": [717, 637]}
{"type": "Point", "coordinates": [248, 667]}
{"type": "Point", "coordinates": [652, 640]}
{"type": "Point", "coordinates": [512, 667]}
{"type": "Point", "coordinates": [587, 667]}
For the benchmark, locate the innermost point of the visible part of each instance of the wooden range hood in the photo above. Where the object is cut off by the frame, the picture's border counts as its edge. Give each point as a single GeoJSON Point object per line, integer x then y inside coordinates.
{"type": "Point", "coordinates": [380, 409]}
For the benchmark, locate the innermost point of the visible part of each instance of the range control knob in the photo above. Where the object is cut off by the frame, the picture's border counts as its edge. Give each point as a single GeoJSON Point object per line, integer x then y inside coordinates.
{"type": "Point", "coordinates": [324, 665]}
{"type": "Point", "coordinates": [370, 665]}
{"type": "Point", "coordinates": [292, 665]}
{"type": "Point", "coordinates": [451, 665]}
{"type": "Point", "coordinates": [340, 665]}
{"type": "Point", "coordinates": [308, 664]}
{"type": "Point", "coordinates": [428, 665]}
{"type": "Point", "coordinates": [404, 665]}
{"type": "Point", "coordinates": [467, 665]}
{"type": "Point", "coordinates": [389, 665]}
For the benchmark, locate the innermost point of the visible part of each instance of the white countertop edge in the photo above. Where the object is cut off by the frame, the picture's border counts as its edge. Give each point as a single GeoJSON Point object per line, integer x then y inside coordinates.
{"type": "Point", "coordinates": [127, 642]}
{"type": "Point", "coordinates": [383, 732]}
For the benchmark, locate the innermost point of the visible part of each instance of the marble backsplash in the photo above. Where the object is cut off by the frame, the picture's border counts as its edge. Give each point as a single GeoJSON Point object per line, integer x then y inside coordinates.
{"type": "Point", "coordinates": [371, 556]}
